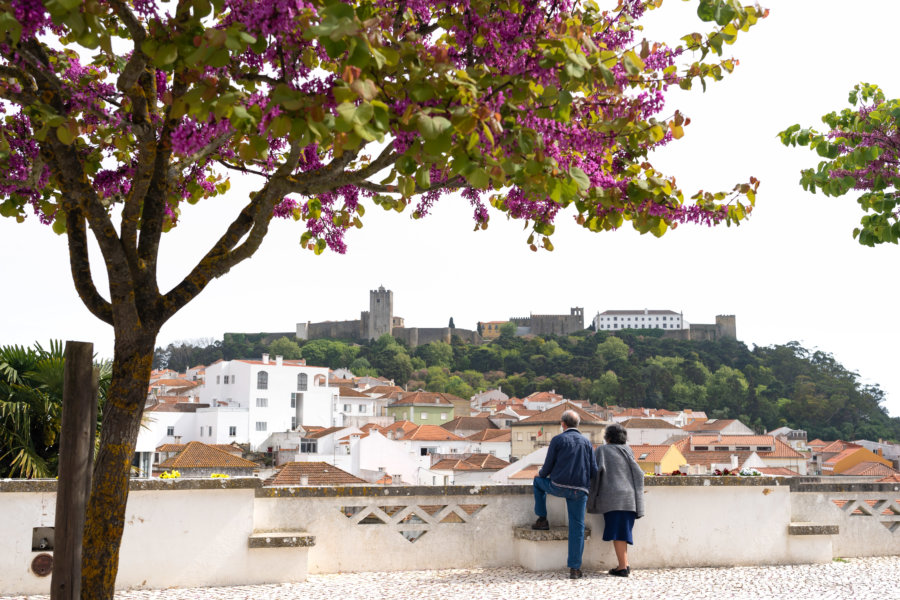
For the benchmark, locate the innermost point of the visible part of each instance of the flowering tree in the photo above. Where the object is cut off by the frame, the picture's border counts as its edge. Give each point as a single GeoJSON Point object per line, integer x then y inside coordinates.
{"type": "Point", "coordinates": [861, 152]}
{"type": "Point", "coordinates": [118, 114]}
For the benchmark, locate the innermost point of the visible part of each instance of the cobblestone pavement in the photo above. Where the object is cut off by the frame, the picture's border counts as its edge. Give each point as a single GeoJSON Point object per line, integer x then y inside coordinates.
{"type": "Point", "coordinates": [853, 579]}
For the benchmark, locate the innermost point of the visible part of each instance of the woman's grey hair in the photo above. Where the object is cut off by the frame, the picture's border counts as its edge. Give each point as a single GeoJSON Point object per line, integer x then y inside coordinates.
{"type": "Point", "coordinates": [570, 418]}
{"type": "Point", "coordinates": [615, 434]}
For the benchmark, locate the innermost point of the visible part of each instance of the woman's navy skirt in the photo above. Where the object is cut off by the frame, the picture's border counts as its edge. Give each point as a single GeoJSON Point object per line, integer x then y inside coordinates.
{"type": "Point", "coordinates": [618, 525]}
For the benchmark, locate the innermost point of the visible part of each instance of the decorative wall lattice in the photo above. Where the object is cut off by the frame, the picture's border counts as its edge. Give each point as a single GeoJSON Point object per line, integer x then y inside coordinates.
{"type": "Point", "coordinates": [413, 521]}
{"type": "Point", "coordinates": [887, 511]}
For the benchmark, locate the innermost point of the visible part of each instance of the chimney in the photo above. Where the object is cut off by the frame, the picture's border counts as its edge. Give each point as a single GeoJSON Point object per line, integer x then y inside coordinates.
{"type": "Point", "coordinates": [278, 360]}
{"type": "Point", "coordinates": [304, 480]}
{"type": "Point", "coordinates": [265, 359]}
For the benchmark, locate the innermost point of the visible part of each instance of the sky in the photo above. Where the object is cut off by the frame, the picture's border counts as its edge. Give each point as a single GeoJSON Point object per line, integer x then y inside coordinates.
{"type": "Point", "coordinates": [792, 272]}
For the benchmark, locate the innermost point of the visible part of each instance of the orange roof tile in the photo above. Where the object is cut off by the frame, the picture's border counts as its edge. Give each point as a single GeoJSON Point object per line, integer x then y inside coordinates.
{"type": "Point", "coordinates": [782, 450]}
{"type": "Point", "coordinates": [890, 479]}
{"type": "Point", "coordinates": [383, 389]}
{"type": "Point", "coordinates": [553, 415]}
{"type": "Point", "coordinates": [472, 423]}
{"type": "Point", "coordinates": [317, 473]}
{"type": "Point", "coordinates": [715, 425]}
{"type": "Point", "coordinates": [347, 392]}
{"type": "Point", "coordinates": [777, 471]}
{"type": "Point", "coordinates": [168, 448]}
{"type": "Point", "coordinates": [314, 435]}
{"type": "Point", "coordinates": [733, 440]}
{"type": "Point", "coordinates": [870, 469]}
{"type": "Point", "coordinates": [817, 442]}
{"type": "Point", "coordinates": [708, 458]}
{"type": "Point", "coordinates": [431, 433]}
{"type": "Point", "coordinates": [529, 472]}
{"type": "Point", "coordinates": [654, 452]}
{"type": "Point", "coordinates": [491, 435]}
{"type": "Point", "coordinates": [427, 399]}
{"type": "Point", "coordinates": [476, 462]}
{"type": "Point", "coordinates": [638, 423]}
{"type": "Point", "coordinates": [199, 455]}
{"type": "Point", "coordinates": [837, 446]}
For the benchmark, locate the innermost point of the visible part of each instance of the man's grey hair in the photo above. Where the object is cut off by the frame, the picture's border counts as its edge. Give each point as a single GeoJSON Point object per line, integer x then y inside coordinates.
{"type": "Point", "coordinates": [570, 418]}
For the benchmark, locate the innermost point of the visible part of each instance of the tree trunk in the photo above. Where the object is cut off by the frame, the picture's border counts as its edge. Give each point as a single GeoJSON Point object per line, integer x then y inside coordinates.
{"type": "Point", "coordinates": [105, 519]}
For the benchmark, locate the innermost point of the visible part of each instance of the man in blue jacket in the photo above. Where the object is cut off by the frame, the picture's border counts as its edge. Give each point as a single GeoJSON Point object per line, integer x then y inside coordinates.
{"type": "Point", "coordinates": [567, 472]}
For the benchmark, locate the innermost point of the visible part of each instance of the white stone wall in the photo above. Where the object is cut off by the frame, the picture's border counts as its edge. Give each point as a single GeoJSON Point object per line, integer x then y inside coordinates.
{"type": "Point", "coordinates": [178, 536]}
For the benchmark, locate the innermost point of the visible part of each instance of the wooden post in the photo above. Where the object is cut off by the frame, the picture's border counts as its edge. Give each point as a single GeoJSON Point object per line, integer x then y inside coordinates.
{"type": "Point", "coordinates": [76, 454]}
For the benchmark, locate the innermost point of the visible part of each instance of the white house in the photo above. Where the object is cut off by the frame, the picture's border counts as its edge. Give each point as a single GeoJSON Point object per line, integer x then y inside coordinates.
{"type": "Point", "coordinates": [638, 319]}
{"type": "Point", "coordinates": [278, 395]}
{"type": "Point", "coordinates": [649, 431]}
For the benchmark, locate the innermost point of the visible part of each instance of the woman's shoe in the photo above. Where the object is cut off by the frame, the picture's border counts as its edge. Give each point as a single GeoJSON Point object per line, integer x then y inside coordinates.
{"type": "Point", "coordinates": [575, 574]}
{"type": "Point", "coordinates": [620, 572]}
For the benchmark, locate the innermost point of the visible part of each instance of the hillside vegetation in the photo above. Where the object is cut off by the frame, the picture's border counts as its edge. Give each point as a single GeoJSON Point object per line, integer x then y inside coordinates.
{"type": "Point", "coordinates": [765, 387]}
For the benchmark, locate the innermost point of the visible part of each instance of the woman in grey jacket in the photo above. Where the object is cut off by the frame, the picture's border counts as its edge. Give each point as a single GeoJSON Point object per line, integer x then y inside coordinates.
{"type": "Point", "coordinates": [617, 492]}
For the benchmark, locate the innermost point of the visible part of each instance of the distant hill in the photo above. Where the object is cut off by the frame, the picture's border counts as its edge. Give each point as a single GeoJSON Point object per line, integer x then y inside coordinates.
{"type": "Point", "coordinates": [765, 387]}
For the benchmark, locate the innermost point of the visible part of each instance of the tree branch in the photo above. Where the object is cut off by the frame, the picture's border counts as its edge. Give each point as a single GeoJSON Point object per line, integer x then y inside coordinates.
{"type": "Point", "coordinates": [80, 266]}
{"type": "Point", "coordinates": [200, 154]}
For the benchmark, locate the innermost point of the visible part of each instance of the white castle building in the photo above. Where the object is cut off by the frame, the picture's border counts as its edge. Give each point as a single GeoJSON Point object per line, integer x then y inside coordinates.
{"type": "Point", "coordinates": [638, 319]}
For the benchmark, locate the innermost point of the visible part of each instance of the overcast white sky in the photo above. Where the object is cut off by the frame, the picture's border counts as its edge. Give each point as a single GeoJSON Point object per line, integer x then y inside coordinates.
{"type": "Point", "coordinates": [792, 272]}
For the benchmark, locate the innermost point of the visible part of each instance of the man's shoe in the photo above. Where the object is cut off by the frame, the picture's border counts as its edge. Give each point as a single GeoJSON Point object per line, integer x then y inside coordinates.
{"type": "Point", "coordinates": [575, 574]}
{"type": "Point", "coordinates": [542, 524]}
{"type": "Point", "coordinates": [620, 572]}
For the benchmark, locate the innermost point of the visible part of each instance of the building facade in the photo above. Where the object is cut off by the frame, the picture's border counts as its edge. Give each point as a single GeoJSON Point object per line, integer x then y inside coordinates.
{"type": "Point", "coordinates": [612, 320]}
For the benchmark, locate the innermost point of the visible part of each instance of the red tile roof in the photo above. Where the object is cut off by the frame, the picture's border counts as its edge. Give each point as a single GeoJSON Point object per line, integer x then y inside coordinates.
{"type": "Point", "coordinates": [553, 415]}
{"type": "Point", "coordinates": [782, 450]}
{"type": "Point", "coordinates": [317, 473]}
{"type": "Point", "coordinates": [715, 425]}
{"type": "Point", "coordinates": [398, 428]}
{"type": "Point", "coordinates": [708, 458]}
{"type": "Point", "coordinates": [890, 479]}
{"type": "Point", "coordinates": [777, 471]}
{"type": "Point", "coordinates": [431, 433]}
{"type": "Point", "coordinates": [199, 455]}
{"type": "Point", "coordinates": [870, 469]}
{"type": "Point", "coordinates": [230, 448]}
{"type": "Point", "coordinates": [476, 462]}
{"type": "Point", "coordinates": [638, 423]}
{"type": "Point", "coordinates": [837, 446]}
{"type": "Point", "coordinates": [654, 452]}
{"type": "Point", "coordinates": [491, 435]}
{"type": "Point", "coordinates": [817, 442]}
{"type": "Point", "coordinates": [529, 472]}
{"type": "Point", "coordinates": [426, 399]}
{"type": "Point", "coordinates": [314, 435]}
{"type": "Point", "coordinates": [733, 440]}
{"type": "Point", "coordinates": [472, 423]}
{"type": "Point", "coordinates": [347, 392]}
{"type": "Point", "coordinates": [383, 389]}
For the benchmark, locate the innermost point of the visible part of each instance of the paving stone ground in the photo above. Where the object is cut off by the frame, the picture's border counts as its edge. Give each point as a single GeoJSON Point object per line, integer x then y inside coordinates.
{"type": "Point", "coordinates": [851, 579]}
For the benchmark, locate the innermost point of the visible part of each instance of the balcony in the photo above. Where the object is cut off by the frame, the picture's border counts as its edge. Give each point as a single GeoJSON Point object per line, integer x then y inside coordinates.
{"type": "Point", "coordinates": [263, 535]}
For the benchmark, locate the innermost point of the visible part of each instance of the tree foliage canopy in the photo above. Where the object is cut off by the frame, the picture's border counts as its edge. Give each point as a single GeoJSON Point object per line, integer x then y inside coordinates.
{"type": "Point", "coordinates": [861, 153]}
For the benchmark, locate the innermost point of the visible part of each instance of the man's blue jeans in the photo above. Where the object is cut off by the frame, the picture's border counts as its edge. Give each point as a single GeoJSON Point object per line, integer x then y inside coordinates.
{"type": "Point", "coordinates": [576, 501]}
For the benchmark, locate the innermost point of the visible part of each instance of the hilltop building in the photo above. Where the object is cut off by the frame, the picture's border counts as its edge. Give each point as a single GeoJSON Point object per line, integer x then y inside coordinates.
{"type": "Point", "coordinates": [671, 322]}
{"type": "Point", "coordinates": [380, 320]}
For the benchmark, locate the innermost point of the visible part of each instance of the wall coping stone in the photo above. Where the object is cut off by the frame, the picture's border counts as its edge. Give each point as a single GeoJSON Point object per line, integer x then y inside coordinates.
{"type": "Point", "coordinates": [846, 487]}
{"type": "Point", "coordinates": [281, 539]}
{"type": "Point", "coordinates": [383, 491]}
{"type": "Point", "coordinates": [557, 532]}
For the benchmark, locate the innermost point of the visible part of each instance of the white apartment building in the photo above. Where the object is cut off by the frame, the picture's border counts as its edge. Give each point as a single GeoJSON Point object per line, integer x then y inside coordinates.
{"type": "Point", "coordinates": [262, 397]}
{"type": "Point", "coordinates": [638, 319]}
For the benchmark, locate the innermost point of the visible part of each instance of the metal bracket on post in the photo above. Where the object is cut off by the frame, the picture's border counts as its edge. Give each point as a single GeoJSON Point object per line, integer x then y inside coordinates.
{"type": "Point", "coordinates": [76, 458]}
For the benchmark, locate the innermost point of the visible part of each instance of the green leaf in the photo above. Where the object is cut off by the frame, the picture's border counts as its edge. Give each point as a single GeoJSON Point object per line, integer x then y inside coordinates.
{"type": "Point", "coordinates": [580, 178]}
{"type": "Point", "coordinates": [478, 178]}
{"type": "Point", "coordinates": [431, 127]}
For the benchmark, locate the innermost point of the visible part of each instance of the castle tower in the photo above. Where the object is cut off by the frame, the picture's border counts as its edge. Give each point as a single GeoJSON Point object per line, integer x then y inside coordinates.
{"type": "Point", "coordinates": [726, 327]}
{"type": "Point", "coordinates": [381, 313]}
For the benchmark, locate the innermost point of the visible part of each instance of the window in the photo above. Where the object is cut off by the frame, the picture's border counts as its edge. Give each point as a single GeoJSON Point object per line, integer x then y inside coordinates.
{"type": "Point", "coordinates": [309, 446]}
{"type": "Point", "coordinates": [225, 380]}
{"type": "Point", "coordinates": [217, 378]}
{"type": "Point", "coordinates": [302, 384]}
{"type": "Point", "coordinates": [443, 416]}
{"type": "Point", "coordinates": [742, 447]}
{"type": "Point", "coordinates": [170, 430]}
{"type": "Point", "coordinates": [519, 437]}
{"type": "Point", "coordinates": [209, 431]}
{"type": "Point", "coordinates": [362, 409]}
{"type": "Point", "coordinates": [347, 408]}
{"type": "Point", "coordinates": [262, 403]}
{"type": "Point", "coordinates": [262, 380]}
{"type": "Point", "coordinates": [721, 448]}
{"type": "Point", "coordinates": [293, 400]}
{"type": "Point", "coordinates": [701, 448]}
{"type": "Point", "coordinates": [232, 431]}
{"type": "Point", "coordinates": [294, 422]}
{"type": "Point", "coordinates": [261, 426]}
{"type": "Point", "coordinates": [424, 416]}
